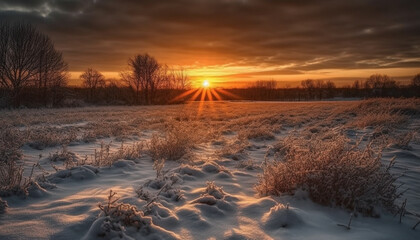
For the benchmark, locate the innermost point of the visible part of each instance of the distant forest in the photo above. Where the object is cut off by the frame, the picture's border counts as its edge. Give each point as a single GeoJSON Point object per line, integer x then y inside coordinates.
{"type": "Point", "coordinates": [34, 74]}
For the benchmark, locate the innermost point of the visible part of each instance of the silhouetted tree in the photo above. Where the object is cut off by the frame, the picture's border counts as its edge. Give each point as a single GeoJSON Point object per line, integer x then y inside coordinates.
{"type": "Point", "coordinates": [27, 57]}
{"type": "Point", "coordinates": [331, 88]}
{"type": "Point", "coordinates": [263, 90]}
{"type": "Point", "coordinates": [181, 79]}
{"type": "Point", "coordinates": [415, 84]}
{"type": "Point", "coordinates": [309, 86]}
{"type": "Point", "coordinates": [415, 81]}
{"type": "Point", "coordinates": [92, 79]}
{"type": "Point", "coordinates": [380, 81]}
{"type": "Point", "coordinates": [51, 75]}
{"type": "Point", "coordinates": [356, 84]}
{"type": "Point", "coordinates": [381, 85]}
{"type": "Point", "coordinates": [143, 76]}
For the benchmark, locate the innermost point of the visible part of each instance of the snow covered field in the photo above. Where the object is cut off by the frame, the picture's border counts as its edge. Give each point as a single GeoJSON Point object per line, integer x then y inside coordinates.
{"type": "Point", "coordinates": [191, 171]}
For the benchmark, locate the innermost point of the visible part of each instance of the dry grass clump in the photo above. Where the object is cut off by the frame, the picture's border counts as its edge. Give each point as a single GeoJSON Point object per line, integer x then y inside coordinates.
{"type": "Point", "coordinates": [247, 164]}
{"type": "Point", "coordinates": [403, 140]}
{"type": "Point", "coordinates": [259, 133]}
{"type": "Point", "coordinates": [165, 184]}
{"type": "Point", "coordinates": [234, 150]}
{"type": "Point", "coordinates": [101, 157]}
{"type": "Point", "coordinates": [119, 220]}
{"type": "Point", "coordinates": [176, 142]}
{"type": "Point", "coordinates": [68, 158]}
{"type": "Point", "coordinates": [214, 190]}
{"type": "Point", "coordinates": [104, 157]}
{"type": "Point", "coordinates": [11, 172]}
{"type": "Point", "coordinates": [12, 180]}
{"type": "Point", "coordinates": [42, 138]}
{"type": "Point", "coordinates": [334, 172]}
{"type": "Point", "coordinates": [409, 106]}
{"type": "Point", "coordinates": [384, 112]}
{"type": "Point", "coordinates": [10, 143]}
{"type": "Point", "coordinates": [382, 118]}
{"type": "Point", "coordinates": [119, 215]}
{"type": "Point", "coordinates": [130, 152]}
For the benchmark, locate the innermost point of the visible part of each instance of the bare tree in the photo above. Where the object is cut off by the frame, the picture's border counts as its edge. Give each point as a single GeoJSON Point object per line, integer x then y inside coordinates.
{"type": "Point", "coordinates": [381, 85]}
{"type": "Point", "coordinates": [143, 76]}
{"type": "Point", "coordinates": [309, 85]}
{"type": "Point", "coordinates": [377, 81]}
{"type": "Point", "coordinates": [27, 56]}
{"type": "Point", "coordinates": [165, 78]}
{"type": "Point", "coordinates": [330, 86]}
{"type": "Point", "coordinates": [146, 76]}
{"type": "Point", "coordinates": [319, 86]}
{"type": "Point", "coordinates": [52, 72]}
{"type": "Point", "coordinates": [133, 82]}
{"type": "Point", "coordinates": [269, 84]}
{"type": "Point", "coordinates": [415, 82]}
{"type": "Point", "coordinates": [181, 79]}
{"type": "Point", "coordinates": [173, 78]}
{"type": "Point", "coordinates": [415, 85]}
{"type": "Point", "coordinates": [356, 84]}
{"type": "Point", "coordinates": [263, 89]}
{"type": "Point", "coordinates": [92, 79]}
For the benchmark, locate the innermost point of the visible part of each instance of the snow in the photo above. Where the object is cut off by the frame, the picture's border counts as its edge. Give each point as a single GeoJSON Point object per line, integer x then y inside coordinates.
{"type": "Point", "coordinates": [208, 195]}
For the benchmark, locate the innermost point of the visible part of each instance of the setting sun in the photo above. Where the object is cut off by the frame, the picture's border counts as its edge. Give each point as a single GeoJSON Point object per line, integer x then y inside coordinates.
{"type": "Point", "coordinates": [206, 84]}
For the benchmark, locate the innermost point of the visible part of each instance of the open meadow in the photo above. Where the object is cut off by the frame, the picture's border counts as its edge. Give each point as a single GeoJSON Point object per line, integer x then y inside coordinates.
{"type": "Point", "coordinates": [212, 170]}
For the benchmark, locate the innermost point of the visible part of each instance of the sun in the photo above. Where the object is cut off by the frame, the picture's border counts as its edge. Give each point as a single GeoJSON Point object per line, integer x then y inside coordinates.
{"type": "Point", "coordinates": [206, 84]}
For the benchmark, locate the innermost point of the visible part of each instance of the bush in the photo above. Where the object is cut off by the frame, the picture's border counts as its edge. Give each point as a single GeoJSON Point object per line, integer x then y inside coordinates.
{"type": "Point", "coordinates": [104, 157]}
{"type": "Point", "coordinates": [176, 142]}
{"type": "Point", "coordinates": [11, 173]}
{"type": "Point", "coordinates": [120, 214]}
{"type": "Point", "coordinates": [119, 220]}
{"type": "Point", "coordinates": [334, 173]}
{"type": "Point", "coordinates": [11, 178]}
{"type": "Point", "coordinates": [10, 143]}
{"type": "Point", "coordinates": [68, 158]}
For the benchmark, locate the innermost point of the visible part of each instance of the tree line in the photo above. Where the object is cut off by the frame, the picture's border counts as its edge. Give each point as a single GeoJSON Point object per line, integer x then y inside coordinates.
{"type": "Point", "coordinates": [33, 73]}
{"type": "Point", "coordinates": [377, 85]}
{"type": "Point", "coordinates": [119, 92]}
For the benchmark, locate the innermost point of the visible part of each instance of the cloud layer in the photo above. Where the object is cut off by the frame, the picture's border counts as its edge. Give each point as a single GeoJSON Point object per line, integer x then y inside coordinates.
{"type": "Point", "coordinates": [271, 36]}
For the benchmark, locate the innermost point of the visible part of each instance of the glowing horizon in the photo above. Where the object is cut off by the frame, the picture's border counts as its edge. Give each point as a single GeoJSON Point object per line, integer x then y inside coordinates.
{"type": "Point", "coordinates": [229, 78]}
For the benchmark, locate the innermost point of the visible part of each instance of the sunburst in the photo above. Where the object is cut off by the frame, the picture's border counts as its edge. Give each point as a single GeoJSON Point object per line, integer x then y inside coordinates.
{"type": "Point", "coordinates": [205, 93]}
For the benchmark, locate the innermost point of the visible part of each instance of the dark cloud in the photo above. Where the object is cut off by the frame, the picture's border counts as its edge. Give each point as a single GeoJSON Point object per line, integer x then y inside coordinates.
{"type": "Point", "coordinates": [310, 35]}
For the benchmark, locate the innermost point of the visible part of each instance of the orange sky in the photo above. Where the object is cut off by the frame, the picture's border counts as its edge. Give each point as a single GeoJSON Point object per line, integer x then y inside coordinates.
{"type": "Point", "coordinates": [231, 77]}
{"type": "Point", "coordinates": [232, 43]}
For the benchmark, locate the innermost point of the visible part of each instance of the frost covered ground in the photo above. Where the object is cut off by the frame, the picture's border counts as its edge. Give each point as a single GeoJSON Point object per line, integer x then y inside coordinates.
{"type": "Point", "coordinates": [190, 171]}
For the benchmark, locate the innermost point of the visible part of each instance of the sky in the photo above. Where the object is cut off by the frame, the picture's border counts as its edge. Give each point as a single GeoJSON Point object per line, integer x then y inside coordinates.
{"type": "Point", "coordinates": [233, 42]}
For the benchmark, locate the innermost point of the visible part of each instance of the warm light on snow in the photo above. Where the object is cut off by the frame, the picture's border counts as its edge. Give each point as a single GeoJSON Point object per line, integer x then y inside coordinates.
{"type": "Point", "coordinates": [208, 189]}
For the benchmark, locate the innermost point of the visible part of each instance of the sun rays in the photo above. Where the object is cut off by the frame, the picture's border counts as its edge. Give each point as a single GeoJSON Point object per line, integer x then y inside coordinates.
{"type": "Point", "coordinates": [203, 94]}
